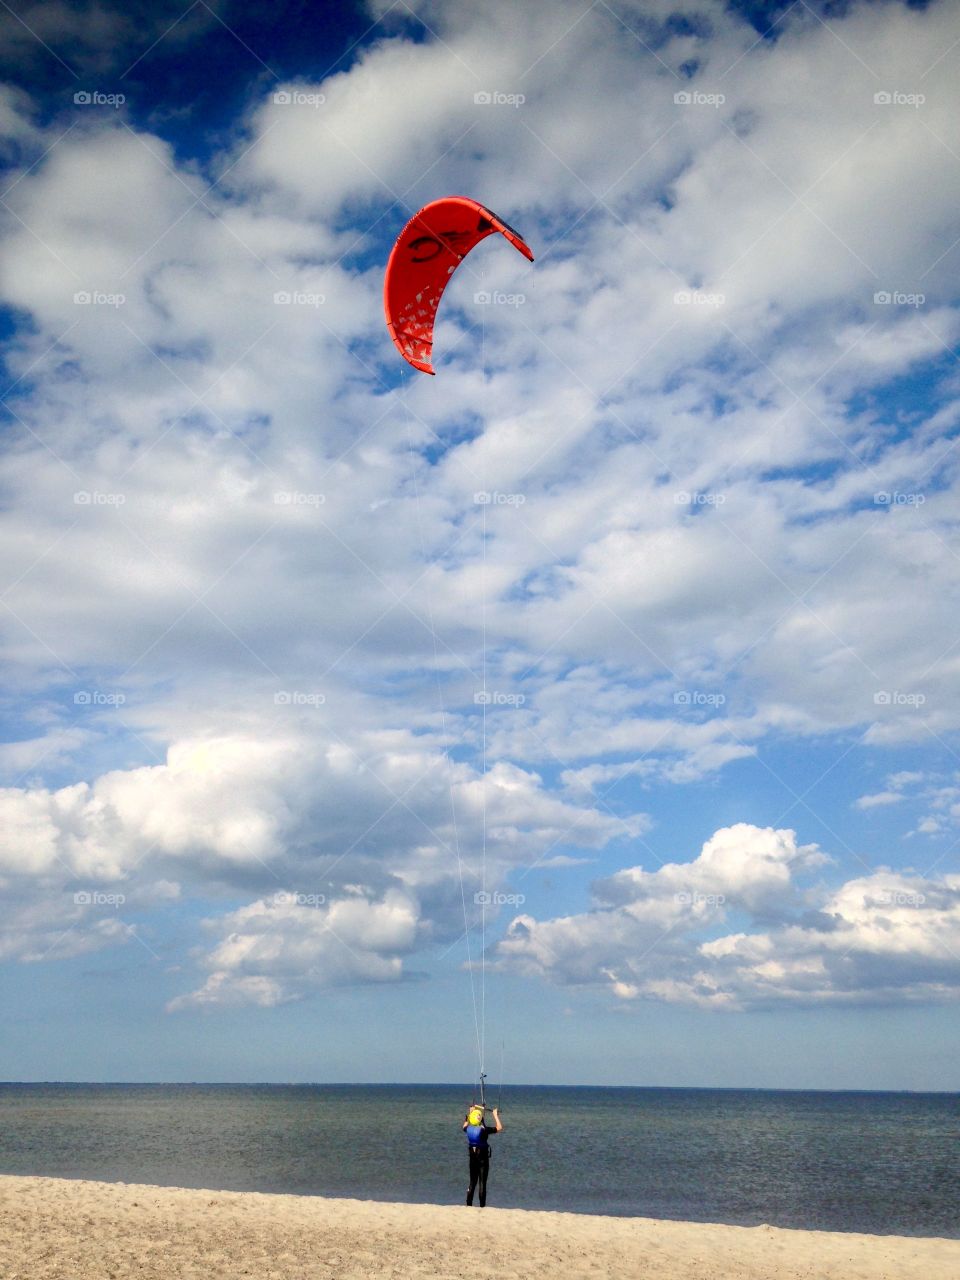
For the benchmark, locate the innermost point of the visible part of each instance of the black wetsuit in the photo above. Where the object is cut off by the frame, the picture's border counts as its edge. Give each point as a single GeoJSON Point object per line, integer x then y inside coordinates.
{"type": "Point", "coordinates": [479, 1166]}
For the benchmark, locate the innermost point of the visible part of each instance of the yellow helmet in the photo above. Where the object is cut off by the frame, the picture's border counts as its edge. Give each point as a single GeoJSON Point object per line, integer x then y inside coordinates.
{"type": "Point", "coordinates": [475, 1115]}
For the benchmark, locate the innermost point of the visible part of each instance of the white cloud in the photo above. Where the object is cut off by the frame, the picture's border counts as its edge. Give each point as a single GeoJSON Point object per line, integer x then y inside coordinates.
{"type": "Point", "coordinates": [886, 936]}
{"type": "Point", "coordinates": [878, 799]}
{"type": "Point", "coordinates": [608, 568]}
{"type": "Point", "coordinates": [387, 817]}
{"type": "Point", "coordinates": [700, 485]}
{"type": "Point", "coordinates": [905, 778]}
{"type": "Point", "coordinates": [278, 948]}
{"type": "Point", "coordinates": [240, 806]}
{"type": "Point", "coordinates": [743, 866]}
{"type": "Point", "coordinates": [224, 990]}
{"type": "Point", "coordinates": [56, 927]}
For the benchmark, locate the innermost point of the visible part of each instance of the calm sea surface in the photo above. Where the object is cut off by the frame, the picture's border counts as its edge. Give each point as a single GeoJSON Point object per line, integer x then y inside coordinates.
{"type": "Point", "coordinates": [874, 1162]}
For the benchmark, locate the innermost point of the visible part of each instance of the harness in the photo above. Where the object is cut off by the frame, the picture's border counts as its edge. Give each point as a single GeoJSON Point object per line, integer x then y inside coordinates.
{"type": "Point", "coordinates": [476, 1131]}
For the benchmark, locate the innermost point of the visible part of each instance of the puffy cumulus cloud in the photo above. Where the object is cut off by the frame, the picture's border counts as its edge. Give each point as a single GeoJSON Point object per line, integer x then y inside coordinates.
{"type": "Point", "coordinates": [887, 936]}
{"type": "Point", "coordinates": [210, 800]}
{"type": "Point", "coordinates": [295, 942]}
{"type": "Point", "coordinates": [248, 807]}
{"type": "Point", "coordinates": [387, 817]}
{"type": "Point", "coordinates": [740, 866]}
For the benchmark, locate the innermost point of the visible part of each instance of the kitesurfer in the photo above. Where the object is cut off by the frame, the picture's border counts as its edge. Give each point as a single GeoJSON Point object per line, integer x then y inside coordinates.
{"type": "Point", "coordinates": [478, 1131]}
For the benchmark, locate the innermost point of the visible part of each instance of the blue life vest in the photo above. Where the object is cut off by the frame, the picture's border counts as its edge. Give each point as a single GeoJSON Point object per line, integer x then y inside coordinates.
{"type": "Point", "coordinates": [476, 1135]}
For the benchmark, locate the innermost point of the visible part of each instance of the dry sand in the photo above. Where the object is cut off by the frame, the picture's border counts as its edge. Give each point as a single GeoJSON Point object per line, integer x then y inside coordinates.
{"type": "Point", "coordinates": [60, 1229]}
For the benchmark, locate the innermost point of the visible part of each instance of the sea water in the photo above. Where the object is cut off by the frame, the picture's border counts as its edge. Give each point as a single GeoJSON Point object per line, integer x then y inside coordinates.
{"type": "Point", "coordinates": [871, 1162]}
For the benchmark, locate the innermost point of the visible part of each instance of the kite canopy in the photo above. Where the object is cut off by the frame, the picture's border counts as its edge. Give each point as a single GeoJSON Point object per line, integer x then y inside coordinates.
{"type": "Point", "coordinates": [428, 251]}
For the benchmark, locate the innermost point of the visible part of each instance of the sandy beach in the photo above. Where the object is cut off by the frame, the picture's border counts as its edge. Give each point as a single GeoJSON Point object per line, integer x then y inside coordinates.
{"type": "Point", "coordinates": [60, 1229]}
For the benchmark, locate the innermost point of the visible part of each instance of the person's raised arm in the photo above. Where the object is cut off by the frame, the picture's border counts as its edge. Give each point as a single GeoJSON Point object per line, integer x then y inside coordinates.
{"type": "Point", "coordinates": [496, 1120]}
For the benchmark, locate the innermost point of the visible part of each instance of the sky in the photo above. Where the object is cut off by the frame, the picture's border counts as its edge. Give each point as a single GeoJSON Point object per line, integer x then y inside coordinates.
{"type": "Point", "coordinates": [588, 712]}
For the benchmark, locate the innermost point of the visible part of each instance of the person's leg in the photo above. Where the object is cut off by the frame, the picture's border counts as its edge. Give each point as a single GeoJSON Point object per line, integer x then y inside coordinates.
{"type": "Point", "coordinates": [474, 1175]}
{"type": "Point", "coordinates": [484, 1170]}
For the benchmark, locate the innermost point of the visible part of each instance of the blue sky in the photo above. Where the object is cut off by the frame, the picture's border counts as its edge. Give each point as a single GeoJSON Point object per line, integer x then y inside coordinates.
{"type": "Point", "coordinates": [256, 823]}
